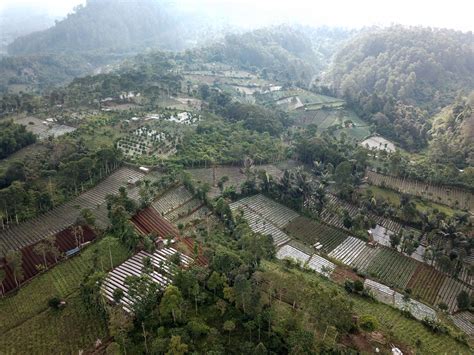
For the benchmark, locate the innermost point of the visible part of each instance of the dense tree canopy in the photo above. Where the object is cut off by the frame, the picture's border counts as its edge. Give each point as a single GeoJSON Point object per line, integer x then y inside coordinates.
{"type": "Point", "coordinates": [397, 76]}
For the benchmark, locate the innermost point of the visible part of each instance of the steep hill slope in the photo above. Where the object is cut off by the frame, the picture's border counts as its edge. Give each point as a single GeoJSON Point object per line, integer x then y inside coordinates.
{"type": "Point", "coordinates": [108, 24]}
{"type": "Point", "coordinates": [398, 76]}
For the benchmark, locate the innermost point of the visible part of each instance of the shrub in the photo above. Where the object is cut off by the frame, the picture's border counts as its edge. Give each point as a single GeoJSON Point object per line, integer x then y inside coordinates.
{"type": "Point", "coordinates": [463, 300]}
{"type": "Point", "coordinates": [443, 306]}
{"type": "Point", "coordinates": [368, 323]}
{"type": "Point", "coordinates": [435, 326]}
{"type": "Point", "coordinates": [54, 302]}
{"type": "Point", "coordinates": [358, 286]}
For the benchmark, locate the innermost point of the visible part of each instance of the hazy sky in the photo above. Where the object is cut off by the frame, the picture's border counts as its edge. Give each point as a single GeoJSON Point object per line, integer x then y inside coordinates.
{"type": "Point", "coordinates": [457, 14]}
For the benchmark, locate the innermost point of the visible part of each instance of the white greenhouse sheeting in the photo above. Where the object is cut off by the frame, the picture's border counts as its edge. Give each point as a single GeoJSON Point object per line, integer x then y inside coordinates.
{"type": "Point", "coordinates": [287, 251]}
{"type": "Point", "coordinates": [386, 295]}
{"type": "Point", "coordinates": [321, 265]}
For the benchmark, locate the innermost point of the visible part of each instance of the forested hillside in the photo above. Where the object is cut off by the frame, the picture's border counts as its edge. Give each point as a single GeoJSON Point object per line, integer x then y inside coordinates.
{"type": "Point", "coordinates": [290, 54]}
{"type": "Point", "coordinates": [107, 24]}
{"type": "Point", "coordinates": [37, 72]}
{"type": "Point", "coordinates": [398, 76]}
{"type": "Point", "coordinates": [453, 134]}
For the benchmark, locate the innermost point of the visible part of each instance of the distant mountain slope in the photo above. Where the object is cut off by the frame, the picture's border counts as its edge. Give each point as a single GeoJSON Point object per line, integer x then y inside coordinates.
{"type": "Point", "coordinates": [285, 53]}
{"type": "Point", "coordinates": [398, 76]}
{"type": "Point", "coordinates": [108, 24]}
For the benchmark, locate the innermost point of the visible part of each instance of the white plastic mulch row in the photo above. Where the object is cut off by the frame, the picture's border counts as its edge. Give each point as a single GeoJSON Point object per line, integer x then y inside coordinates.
{"type": "Point", "coordinates": [259, 224]}
{"type": "Point", "coordinates": [162, 273]}
{"type": "Point", "coordinates": [314, 262]}
{"type": "Point", "coordinates": [276, 213]}
{"type": "Point", "coordinates": [348, 250]}
{"type": "Point", "coordinates": [287, 251]}
{"type": "Point", "coordinates": [172, 200]}
{"type": "Point", "coordinates": [321, 265]}
{"type": "Point", "coordinates": [386, 295]}
{"type": "Point", "coordinates": [465, 322]}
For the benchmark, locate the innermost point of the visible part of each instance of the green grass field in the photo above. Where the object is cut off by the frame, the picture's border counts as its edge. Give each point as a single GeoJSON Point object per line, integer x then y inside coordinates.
{"type": "Point", "coordinates": [409, 331]}
{"type": "Point", "coordinates": [62, 280]}
{"type": "Point", "coordinates": [64, 331]}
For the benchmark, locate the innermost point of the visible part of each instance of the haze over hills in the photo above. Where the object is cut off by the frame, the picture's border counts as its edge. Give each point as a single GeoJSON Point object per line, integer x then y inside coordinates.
{"type": "Point", "coordinates": [203, 177]}
{"type": "Point", "coordinates": [110, 25]}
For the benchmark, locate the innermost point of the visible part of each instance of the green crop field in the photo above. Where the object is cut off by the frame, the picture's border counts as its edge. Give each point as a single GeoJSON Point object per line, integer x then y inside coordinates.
{"type": "Point", "coordinates": [392, 268]}
{"type": "Point", "coordinates": [60, 281]}
{"type": "Point", "coordinates": [426, 283]}
{"type": "Point", "coordinates": [310, 232]}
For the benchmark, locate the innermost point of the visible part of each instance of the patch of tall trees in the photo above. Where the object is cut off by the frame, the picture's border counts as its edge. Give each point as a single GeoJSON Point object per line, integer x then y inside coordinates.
{"type": "Point", "coordinates": [13, 137]}
{"type": "Point", "coordinates": [396, 77]}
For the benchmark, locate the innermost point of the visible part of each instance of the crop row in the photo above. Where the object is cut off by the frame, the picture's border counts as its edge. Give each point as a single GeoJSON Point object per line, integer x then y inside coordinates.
{"type": "Point", "coordinates": [392, 268]}
{"type": "Point", "coordinates": [18, 236]}
{"type": "Point", "coordinates": [332, 213]}
{"type": "Point", "coordinates": [312, 232]}
{"type": "Point", "coordinates": [272, 211]}
{"type": "Point", "coordinates": [172, 199]}
{"type": "Point", "coordinates": [449, 291]}
{"type": "Point", "coordinates": [259, 224]}
{"type": "Point", "coordinates": [426, 283]}
{"type": "Point", "coordinates": [450, 196]}
{"type": "Point", "coordinates": [464, 321]}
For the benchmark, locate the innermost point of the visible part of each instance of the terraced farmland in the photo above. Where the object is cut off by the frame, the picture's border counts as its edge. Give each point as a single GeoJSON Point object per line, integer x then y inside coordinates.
{"type": "Point", "coordinates": [392, 268]}
{"type": "Point", "coordinates": [448, 292]}
{"type": "Point", "coordinates": [61, 281]}
{"type": "Point", "coordinates": [64, 241]}
{"type": "Point", "coordinates": [184, 210]}
{"type": "Point", "coordinates": [312, 232]}
{"type": "Point", "coordinates": [259, 224]}
{"type": "Point", "coordinates": [270, 210]}
{"type": "Point", "coordinates": [331, 214]}
{"type": "Point", "coordinates": [355, 252]}
{"type": "Point", "coordinates": [235, 174]}
{"type": "Point", "coordinates": [465, 322]}
{"type": "Point", "coordinates": [321, 265]}
{"type": "Point", "coordinates": [386, 295]}
{"type": "Point", "coordinates": [200, 213]}
{"type": "Point", "coordinates": [162, 274]}
{"type": "Point", "coordinates": [149, 221]}
{"type": "Point", "coordinates": [450, 196]}
{"type": "Point", "coordinates": [172, 199]}
{"type": "Point", "coordinates": [426, 283]}
{"type": "Point", "coordinates": [61, 217]}
{"type": "Point", "coordinates": [348, 250]}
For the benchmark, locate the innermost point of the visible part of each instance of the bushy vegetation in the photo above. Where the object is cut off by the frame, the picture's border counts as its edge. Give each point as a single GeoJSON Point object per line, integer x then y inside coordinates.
{"type": "Point", "coordinates": [13, 137]}
{"type": "Point", "coordinates": [217, 142]}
